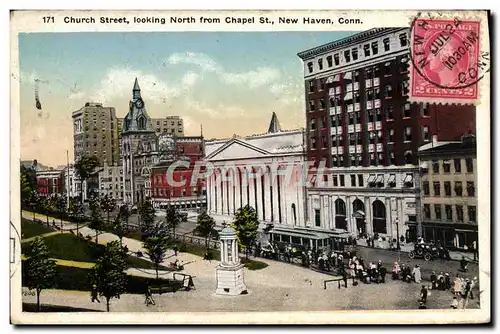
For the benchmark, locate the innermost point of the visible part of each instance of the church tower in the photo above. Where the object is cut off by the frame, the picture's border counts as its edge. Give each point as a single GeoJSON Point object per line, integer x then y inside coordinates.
{"type": "Point", "coordinates": [138, 140]}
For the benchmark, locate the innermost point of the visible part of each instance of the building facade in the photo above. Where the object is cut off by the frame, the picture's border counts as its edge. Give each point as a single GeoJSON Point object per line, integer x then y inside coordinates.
{"type": "Point", "coordinates": [173, 125]}
{"type": "Point", "coordinates": [252, 171]}
{"type": "Point", "coordinates": [95, 132]}
{"type": "Point", "coordinates": [192, 193]}
{"type": "Point", "coordinates": [71, 181]}
{"type": "Point", "coordinates": [111, 182]}
{"type": "Point", "coordinates": [360, 124]}
{"type": "Point", "coordinates": [449, 192]}
{"type": "Point", "coordinates": [49, 182]}
{"type": "Point", "coordinates": [139, 149]}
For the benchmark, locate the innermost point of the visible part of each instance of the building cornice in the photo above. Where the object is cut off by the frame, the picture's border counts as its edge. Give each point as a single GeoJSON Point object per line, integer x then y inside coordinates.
{"type": "Point", "coordinates": [353, 39]}
{"type": "Point", "coordinates": [380, 192]}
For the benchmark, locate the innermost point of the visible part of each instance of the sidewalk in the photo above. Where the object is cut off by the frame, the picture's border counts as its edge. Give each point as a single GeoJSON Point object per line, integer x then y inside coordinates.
{"type": "Point", "coordinates": [406, 248]}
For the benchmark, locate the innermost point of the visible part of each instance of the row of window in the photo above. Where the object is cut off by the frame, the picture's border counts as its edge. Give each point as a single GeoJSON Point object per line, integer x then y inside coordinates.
{"type": "Point", "coordinates": [448, 212]}
{"type": "Point", "coordinates": [165, 192]}
{"type": "Point", "coordinates": [436, 185]}
{"type": "Point", "coordinates": [171, 130]}
{"type": "Point", "coordinates": [374, 137]}
{"type": "Point", "coordinates": [457, 166]}
{"type": "Point", "coordinates": [369, 49]}
{"type": "Point", "coordinates": [376, 159]}
{"type": "Point", "coordinates": [372, 94]}
{"type": "Point", "coordinates": [374, 180]}
{"type": "Point", "coordinates": [172, 123]}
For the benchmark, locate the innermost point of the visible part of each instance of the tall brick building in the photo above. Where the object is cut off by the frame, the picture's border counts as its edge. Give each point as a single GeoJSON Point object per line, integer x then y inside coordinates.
{"type": "Point", "coordinates": [360, 123]}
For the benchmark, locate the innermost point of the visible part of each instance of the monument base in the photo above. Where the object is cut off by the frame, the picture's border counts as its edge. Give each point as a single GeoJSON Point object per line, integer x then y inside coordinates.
{"type": "Point", "coordinates": [230, 280]}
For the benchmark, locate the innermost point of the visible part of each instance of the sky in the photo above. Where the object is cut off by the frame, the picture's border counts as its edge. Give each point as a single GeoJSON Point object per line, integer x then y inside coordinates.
{"type": "Point", "coordinates": [229, 82]}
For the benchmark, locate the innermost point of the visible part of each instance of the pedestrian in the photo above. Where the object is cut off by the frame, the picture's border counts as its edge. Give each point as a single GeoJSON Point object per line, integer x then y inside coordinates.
{"type": "Point", "coordinates": [447, 281]}
{"type": "Point", "coordinates": [417, 276]}
{"type": "Point", "coordinates": [175, 250]}
{"type": "Point", "coordinates": [440, 282]}
{"type": "Point", "coordinates": [395, 271]}
{"type": "Point", "coordinates": [423, 294]}
{"type": "Point", "coordinates": [454, 303]}
{"type": "Point", "coordinates": [149, 296]}
{"type": "Point", "coordinates": [463, 264]}
{"type": "Point", "coordinates": [457, 285]}
{"type": "Point", "coordinates": [93, 294]}
{"type": "Point", "coordinates": [379, 264]}
{"type": "Point", "coordinates": [434, 280]}
{"type": "Point", "coordinates": [472, 285]}
{"type": "Point", "coordinates": [383, 272]}
{"type": "Point", "coordinates": [422, 306]}
{"type": "Point", "coordinates": [474, 249]}
{"type": "Point", "coordinates": [467, 288]}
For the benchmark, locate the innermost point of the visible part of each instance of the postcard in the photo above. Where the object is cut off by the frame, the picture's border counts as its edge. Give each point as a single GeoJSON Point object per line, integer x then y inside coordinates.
{"type": "Point", "coordinates": [250, 167]}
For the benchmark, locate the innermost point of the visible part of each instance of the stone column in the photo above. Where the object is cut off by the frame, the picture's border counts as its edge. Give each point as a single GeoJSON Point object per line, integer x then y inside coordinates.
{"type": "Point", "coordinates": [390, 220]}
{"type": "Point", "coordinates": [235, 251]}
{"type": "Point", "coordinates": [274, 182]}
{"type": "Point", "coordinates": [310, 216]}
{"type": "Point", "coordinates": [348, 214]}
{"type": "Point", "coordinates": [259, 196]}
{"type": "Point", "coordinates": [368, 216]}
{"type": "Point", "coordinates": [237, 188]}
{"type": "Point", "coordinates": [230, 193]}
{"type": "Point", "coordinates": [401, 218]}
{"type": "Point", "coordinates": [267, 194]}
{"type": "Point", "coordinates": [332, 212]}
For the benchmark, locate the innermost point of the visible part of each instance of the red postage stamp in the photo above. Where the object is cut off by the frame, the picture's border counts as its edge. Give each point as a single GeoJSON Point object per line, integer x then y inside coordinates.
{"type": "Point", "coordinates": [447, 63]}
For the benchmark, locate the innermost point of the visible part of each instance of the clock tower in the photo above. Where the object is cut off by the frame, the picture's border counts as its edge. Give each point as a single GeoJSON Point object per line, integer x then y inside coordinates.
{"type": "Point", "coordinates": [138, 148]}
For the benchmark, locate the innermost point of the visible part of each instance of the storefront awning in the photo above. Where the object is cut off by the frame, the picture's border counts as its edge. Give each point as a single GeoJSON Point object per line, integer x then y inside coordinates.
{"type": "Point", "coordinates": [301, 234]}
{"type": "Point", "coordinates": [347, 76]}
{"type": "Point", "coordinates": [333, 78]}
{"type": "Point", "coordinates": [371, 178]}
{"type": "Point", "coordinates": [348, 96]}
{"type": "Point", "coordinates": [392, 178]}
{"type": "Point", "coordinates": [380, 178]}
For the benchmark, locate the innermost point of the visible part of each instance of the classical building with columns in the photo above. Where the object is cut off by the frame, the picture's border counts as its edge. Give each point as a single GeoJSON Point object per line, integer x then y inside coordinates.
{"type": "Point", "coordinates": [251, 170]}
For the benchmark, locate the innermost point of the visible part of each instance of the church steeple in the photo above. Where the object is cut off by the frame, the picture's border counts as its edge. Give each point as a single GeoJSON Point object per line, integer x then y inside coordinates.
{"type": "Point", "coordinates": [136, 92]}
{"type": "Point", "coordinates": [274, 126]}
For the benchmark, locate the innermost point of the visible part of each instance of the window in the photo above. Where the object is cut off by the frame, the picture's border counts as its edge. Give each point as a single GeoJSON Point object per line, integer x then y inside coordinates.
{"type": "Point", "coordinates": [458, 188]}
{"type": "Point", "coordinates": [404, 88]}
{"type": "Point", "coordinates": [329, 60]}
{"type": "Point", "coordinates": [375, 48]}
{"type": "Point", "coordinates": [390, 135]}
{"type": "Point", "coordinates": [448, 211]}
{"type": "Point", "coordinates": [387, 68]}
{"type": "Point", "coordinates": [471, 190]}
{"type": "Point", "coordinates": [335, 160]}
{"type": "Point", "coordinates": [311, 105]}
{"type": "Point", "coordinates": [322, 103]}
{"type": "Point", "coordinates": [360, 180]}
{"type": "Point", "coordinates": [353, 180]}
{"type": "Point", "coordinates": [437, 188]}
{"type": "Point", "coordinates": [460, 212]}
{"type": "Point", "coordinates": [322, 122]}
{"type": "Point", "coordinates": [407, 133]}
{"type": "Point", "coordinates": [337, 59]}
{"type": "Point", "coordinates": [437, 211]}
{"type": "Point", "coordinates": [435, 166]}
{"type": "Point", "coordinates": [313, 143]}
{"type": "Point", "coordinates": [369, 73]}
{"type": "Point", "coordinates": [376, 71]}
{"type": "Point", "coordinates": [311, 86]}
{"type": "Point", "coordinates": [408, 157]}
{"type": "Point", "coordinates": [392, 158]}
{"type": "Point", "coordinates": [367, 50]}
{"type": "Point", "coordinates": [387, 44]}
{"type": "Point", "coordinates": [469, 165]}
{"type": "Point", "coordinates": [388, 91]}
{"type": "Point", "coordinates": [356, 78]}
{"type": "Point", "coordinates": [427, 211]}
{"type": "Point", "coordinates": [425, 133]}
{"type": "Point", "coordinates": [447, 188]}
{"type": "Point", "coordinates": [347, 56]}
{"type": "Point", "coordinates": [425, 187]}
{"type": "Point", "coordinates": [354, 54]}
{"type": "Point", "coordinates": [407, 110]}
{"type": "Point", "coordinates": [324, 141]}
{"type": "Point", "coordinates": [320, 64]}
{"type": "Point", "coordinates": [371, 115]}
{"type": "Point", "coordinates": [351, 118]}
{"type": "Point", "coordinates": [425, 110]}
{"type": "Point", "coordinates": [458, 165]}
{"type": "Point", "coordinates": [335, 181]}
{"type": "Point", "coordinates": [342, 181]}
{"type": "Point", "coordinates": [389, 112]}
{"type": "Point", "coordinates": [472, 213]}
{"type": "Point", "coordinates": [317, 217]}
{"type": "Point", "coordinates": [313, 124]}
{"type": "Point", "coordinates": [446, 166]}
{"type": "Point", "coordinates": [403, 40]}
{"type": "Point", "coordinates": [321, 84]}
{"type": "Point", "coordinates": [310, 67]}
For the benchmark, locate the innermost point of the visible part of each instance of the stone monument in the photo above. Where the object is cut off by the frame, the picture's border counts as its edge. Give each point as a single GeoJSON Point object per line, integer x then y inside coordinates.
{"type": "Point", "coordinates": [230, 280]}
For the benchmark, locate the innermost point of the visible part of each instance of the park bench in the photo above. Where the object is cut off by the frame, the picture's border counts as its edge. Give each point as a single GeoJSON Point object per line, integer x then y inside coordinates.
{"type": "Point", "coordinates": [334, 279]}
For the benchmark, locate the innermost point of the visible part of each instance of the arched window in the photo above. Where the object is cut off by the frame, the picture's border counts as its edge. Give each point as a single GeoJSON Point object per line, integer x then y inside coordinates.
{"type": "Point", "coordinates": [340, 215]}
{"type": "Point", "coordinates": [141, 123]}
{"type": "Point", "coordinates": [408, 157]}
{"type": "Point", "coordinates": [379, 217]}
{"type": "Point", "coordinates": [358, 205]}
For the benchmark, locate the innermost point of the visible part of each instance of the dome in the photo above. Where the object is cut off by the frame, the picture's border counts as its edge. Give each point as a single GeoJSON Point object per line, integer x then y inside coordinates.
{"type": "Point", "coordinates": [227, 231]}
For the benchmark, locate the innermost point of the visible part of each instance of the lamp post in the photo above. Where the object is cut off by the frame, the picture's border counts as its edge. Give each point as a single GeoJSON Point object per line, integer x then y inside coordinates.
{"type": "Point", "coordinates": [398, 246]}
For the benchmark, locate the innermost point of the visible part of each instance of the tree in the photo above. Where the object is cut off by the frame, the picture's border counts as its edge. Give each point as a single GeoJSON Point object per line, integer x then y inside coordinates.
{"type": "Point", "coordinates": [27, 183]}
{"type": "Point", "coordinates": [76, 208]}
{"type": "Point", "coordinates": [62, 206]}
{"type": "Point", "coordinates": [108, 205]}
{"type": "Point", "coordinates": [108, 274]}
{"type": "Point", "coordinates": [246, 224]}
{"type": "Point", "coordinates": [95, 216]}
{"type": "Point", "coordinates": [120, 225]}
{"type": "Point", "coordinates": [147, 213]}
{"type": "Point", "coordinates": [34, 202]}
{"type": "Point", "coordinates": [205, 226]}
{"type": "Point", "coordinates": [84, 168]}
{"type": "Point", "coordinates": [40, 269]}
{"type": "Point", "coordinates": [172, 218]}
{"type": "Point", "coordinates": [156, 248]}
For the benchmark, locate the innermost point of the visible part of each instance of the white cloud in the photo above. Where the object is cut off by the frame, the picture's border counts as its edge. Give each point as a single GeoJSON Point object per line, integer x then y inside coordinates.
{"type": "Point", "coordinates": [251, 79]}
{"type": "Point", "coordinates": [220, 110]}
{"type": "Point", "coordinates": [190, 79]}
